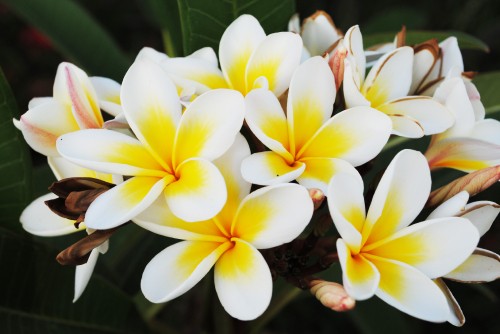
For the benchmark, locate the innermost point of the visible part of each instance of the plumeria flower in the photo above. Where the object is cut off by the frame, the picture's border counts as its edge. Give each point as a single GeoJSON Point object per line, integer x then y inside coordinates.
{"type": "Point", "coordinates": [249, 59]}
{"type": "Point", "coordinates": [172, 153]}
{"type": "Point", "coordinates": [75, 105]}
{"type": "Point", "coordinates": [318, 33]}
{"type": "Point", "coordinates": [380, 254]}
{"type": "Point", "coordinates": [229, 242]}
{"type": "Point", "coordinates": [473, 142]}
{"type": "Point", "coordinates": [307, 144]}
{"type": "Point", "coordinates": [483, 265]}
{"type": "Point", "coordinates": [386, 88]}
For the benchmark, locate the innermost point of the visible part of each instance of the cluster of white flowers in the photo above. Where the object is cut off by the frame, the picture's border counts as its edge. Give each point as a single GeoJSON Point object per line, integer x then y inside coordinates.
{"type": "Point", "coordinates": [183, 170]}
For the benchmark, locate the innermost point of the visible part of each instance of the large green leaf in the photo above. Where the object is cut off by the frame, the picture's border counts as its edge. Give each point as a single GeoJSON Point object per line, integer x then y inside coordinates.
{"type": "Point", "coordinates": [203, 22]}
{"type": "Point", "coordinates": [36, 295]}
{"type": "Point", "coordinates": [488, 85]}
{"type": "Point", "coordinates": [75, 34]}
{"type": "Point", "coordinates": [15, 163]}
{"type": "Point", "coordinates": [465, 41]}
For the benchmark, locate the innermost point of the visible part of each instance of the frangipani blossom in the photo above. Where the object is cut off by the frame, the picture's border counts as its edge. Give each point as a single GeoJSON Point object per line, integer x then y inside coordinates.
{"type": "Point", "coordinates": [483, 265]}
{"type": "Point", "coordinates": [172, 153]}
{"type": "Point", "coordinates": [249, 59]}
{"type": "Point", "coordinates": [265, 218]}
{"type": "Point", "coordinates": [386, 88]}
{"type": "Point", "coordinates": [318, 33]}
{"type": "Point", "coordinates": [473, 142]}
{"type": "Point", "coordinates": [380, 254]}
{"type": "Point", "coordinates": [75, 105]}
{"type": "Point", "coordinates": [307, 144]}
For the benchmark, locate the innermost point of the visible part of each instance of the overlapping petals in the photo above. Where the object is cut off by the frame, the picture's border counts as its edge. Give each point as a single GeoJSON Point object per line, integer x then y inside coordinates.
{"type": "Point", "coordinates": [265, 218]}
{"type": "Point", "coordinates": [386, 88]}
{"type": "Point", "coordinates": [308, 144]}
{"type": "Point", "coordinates": [249, 59]}
{"type": "Point", "coordinates": [382, 255]}
{"type": "Point", "coordinates": [471, 143]}
{"type": "Point", "coordinates": [171, 155]}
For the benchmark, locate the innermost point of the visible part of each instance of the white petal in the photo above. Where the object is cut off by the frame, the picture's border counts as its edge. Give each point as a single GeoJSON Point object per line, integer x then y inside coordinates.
{"type": "Point", "coordinates": [206, 54]}
{"type": "Point", "coordinates": [400, 195]}
{"type": "Point", "coordinates": [456, 316]}
{"type": "Point", "coordinates": [124, 201]}
{"type": "Point", "coordinates": [83, 273]}
{"type": "Point", "coordinates": [310, 100]}
{"type": "Point", "coordinates": [39, 220]}
{"type": "Point", "coordinates": [245, 31]}
{"type": "Point", "coordinates": [108, 93]}
{"type": "Point", "coordinates": [453, 95]}
{"type": "Point", "coordinates": [44, 123]}
{"type": "Point", "coordinates": [431, 115]}
{"type": "Point", "coordinates": [152, 108]}
{"type": "Point", "coordinates": [481, 266]}
{"type": "Point", "coordinates": [73, 88]}
{"type": "Point", "coordinates": [109, 152]}
{"type": "Point", "coordinates": [268, 168]}
{"type": "Point", "coordinates": [435, 247]}
{"type": "Point", "coordinates": [356, 135]}
{"type": "Point", "coordinates": [347, 208]}
{"type": "Point", "coordinates": [451, 207]}
{"type": "Point", "coordinates": [319, 33]}
{"type": "Point", "coordinates": [178, 268]}
{"type": "Point", "coordinates": [319, 172]}
{"type": "Point", "coordinates": [209, 125]}
{"type": "Point", "coordinates": [359, 276]}
{"type": "Point", "coordinates": [243, 281]}
{"type": "Point", "coordinates": [273, 215]}
{"type": "Point", "coordinates": [487, 130]}
{"type": "Point", "coordinates": [410, 291]}
{"type": "Point", "coordinates": [482, 214]}
{"type": "Point", "coordinates": [390, 77]}
{"type": "Point", "coordinates": [229, 165]}
{"type": "Point", "coordinates": [276, 57]}
{"type": "Point", "coordinates": [352, 90]}
{"type": "Point", "coordinates": [354, 44]}
{"type": "Point", "coordinates": [406, 126]}
{"type": "Point", "coordinates": [452, 57]}
{"type": "Point", "coordinates": [266, 119]}
{"type": "Point", "coordinates": [199, 192]}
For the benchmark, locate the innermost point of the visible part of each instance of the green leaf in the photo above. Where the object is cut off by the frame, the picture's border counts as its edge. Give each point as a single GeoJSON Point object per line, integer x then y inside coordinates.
{"type": "Point", "coordinates": [488, 85]}
{"type": "Point", "coordinates": [204, 22]}
{"type": "Point", "coordinates": [15, 162]}
{"type": "Point", "coordinates": [165, 15]}
{"type": "Point", "coordinates": [37, 293]}
{"type": "Point", "coordinates": [75, 34]}
{"type": "Point", "coordinates": [465, 41]}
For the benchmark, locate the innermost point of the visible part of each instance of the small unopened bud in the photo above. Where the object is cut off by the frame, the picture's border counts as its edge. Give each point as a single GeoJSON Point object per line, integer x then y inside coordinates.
{"type": "Point", "coordinates": [336, 63]}
{"type": "Point", "coordinates": [317, 197]}
{"type": "Point", "coordinates": [332, 295]}
{"type": "Point", "coordinates": [401, 37]}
